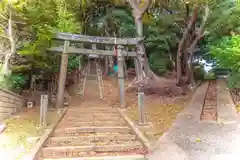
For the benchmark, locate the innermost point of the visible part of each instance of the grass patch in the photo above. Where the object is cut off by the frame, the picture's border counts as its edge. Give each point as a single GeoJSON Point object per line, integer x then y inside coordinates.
{"type": "Point", "coordinates": [21, 133]}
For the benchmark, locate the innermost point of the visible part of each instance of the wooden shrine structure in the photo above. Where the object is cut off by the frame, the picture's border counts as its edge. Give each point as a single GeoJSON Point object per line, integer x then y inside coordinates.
{"type": "Point", "coordinates": [98, 46]}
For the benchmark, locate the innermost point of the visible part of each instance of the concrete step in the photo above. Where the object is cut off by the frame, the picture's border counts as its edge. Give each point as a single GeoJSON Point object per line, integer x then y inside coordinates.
{"type": "Point", "coordinates": [86, 109]}
{"type": "Point", "coordinates": [87, 140]}
{"type": "Point", "coordinates": [79, 151]}
{"type": "Point", "coordinates": [93, 111]}
{"type": "Point", "coordinates": [81, 116]}
{"type": "Point", "coordinates": [129, 157]}
{"type": "Point", "coordinates": [74, 131]}
{"type": "Point", "coordinates": [92, 123]}
{"type": "Point", "coordinates": [90, 109]}
{"type": "Point", "coordinates": [95, 114]}
{"type": "Point", "coordinates": [90, 118]}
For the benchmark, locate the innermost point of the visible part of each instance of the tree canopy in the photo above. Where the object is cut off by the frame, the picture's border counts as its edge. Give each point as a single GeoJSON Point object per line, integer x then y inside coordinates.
{"type": "Point", "coordinates": [34, 22]}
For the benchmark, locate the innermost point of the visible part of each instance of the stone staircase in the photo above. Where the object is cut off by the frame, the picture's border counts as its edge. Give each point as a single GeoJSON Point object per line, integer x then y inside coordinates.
{"type": "Point", "coordinates": [92, 130]}
{"type": "Point", "coordinates": [89, 131]}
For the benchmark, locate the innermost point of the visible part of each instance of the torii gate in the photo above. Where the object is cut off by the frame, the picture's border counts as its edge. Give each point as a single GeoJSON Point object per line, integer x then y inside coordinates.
{"type": "Point", "coordinates": [120, 53]}
{"type": "Point", "coordinates": [139, 8]}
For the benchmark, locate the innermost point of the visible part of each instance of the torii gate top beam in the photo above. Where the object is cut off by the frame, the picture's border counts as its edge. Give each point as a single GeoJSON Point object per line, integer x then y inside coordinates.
{"type": "Point", "coordinates": [82, 51]}
{"type": "Point", "coordinates": [96, 39]}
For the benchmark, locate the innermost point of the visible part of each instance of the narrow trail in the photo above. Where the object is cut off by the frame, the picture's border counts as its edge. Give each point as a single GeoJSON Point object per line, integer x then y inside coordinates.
{"type": "Point", "coordinates": [90, 129]}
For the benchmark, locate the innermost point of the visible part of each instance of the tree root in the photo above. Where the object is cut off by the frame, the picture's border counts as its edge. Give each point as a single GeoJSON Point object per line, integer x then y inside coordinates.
{"type": "Point", "coordinates": [157, 85]}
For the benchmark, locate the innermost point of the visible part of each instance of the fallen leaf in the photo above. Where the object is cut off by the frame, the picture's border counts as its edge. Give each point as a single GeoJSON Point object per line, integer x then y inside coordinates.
{"type": "Point", "coordinates": [198, 140]}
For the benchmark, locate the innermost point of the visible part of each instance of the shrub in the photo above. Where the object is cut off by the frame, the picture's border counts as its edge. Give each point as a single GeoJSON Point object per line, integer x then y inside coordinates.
{"type": "Point", "coordinates": [14, 82]}
{"type": "Point", "coordinates": [227, 55]}
{"type": "Point", "coordinates": [227, 52]}
{"type": "Point", "coordinates": [198, 72]}
{"type": "Point", "coordinates": [159, 64]}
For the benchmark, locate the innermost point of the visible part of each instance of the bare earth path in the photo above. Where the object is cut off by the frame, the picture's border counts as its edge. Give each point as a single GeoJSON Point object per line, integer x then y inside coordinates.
{"type": "Point", "coordinates": [192, 139]}
{"type": "Point", "coordinates": [92, 129]}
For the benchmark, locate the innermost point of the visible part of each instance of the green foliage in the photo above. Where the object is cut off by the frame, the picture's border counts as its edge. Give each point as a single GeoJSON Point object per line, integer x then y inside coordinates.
{"type": "Point", "coordinates": [115, 21]}
{"type": "Point", "coordinates": [227, 52]}
{"type": "Point", "coordinates": [44, 19]}
{"type": "Point", "coordinates": [162, 33]}
{"type": "Point", "coordinates": [21, 68]}
{"type": "Point", "coordinates": [210, 76]}
{"type": "Point", "coordinates": [14, 82]}
{"type": "Point", "coordinates": [159, 64]}
{"type": "Point", "coordinates": [66, 20]}
{"type": "Point", "coordinates": [163, 28]}
{"type": "Point", "coordinates": [227, 55]}
{"type": "Point", "coordinates": [198, 72]}
{"type": "Point", "coordinates": [73, 63]}
{"type": "Point", "coordinates": [233, 80]}
{"type": "Point", "coordinates": [223, 19]}
{"type": "Point", "coordinates": [161, 38]}
{"type": "Point", "coordinates": [223, 40]}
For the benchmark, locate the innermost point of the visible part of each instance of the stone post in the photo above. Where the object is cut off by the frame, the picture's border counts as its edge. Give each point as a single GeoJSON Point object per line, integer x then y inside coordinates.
{"type": "Point", "coordinates": [43, 110]}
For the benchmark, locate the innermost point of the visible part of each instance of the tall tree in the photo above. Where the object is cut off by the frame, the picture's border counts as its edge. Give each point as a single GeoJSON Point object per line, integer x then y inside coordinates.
{"type": "Point", "coordinates": [11, 33]}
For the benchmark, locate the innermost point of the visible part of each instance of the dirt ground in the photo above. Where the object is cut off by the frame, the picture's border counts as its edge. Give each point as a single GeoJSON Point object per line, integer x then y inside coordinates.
{"type": "Point", "coordinates": [21, 133]}
{"type": "Point", "coordinates": [161, 110]}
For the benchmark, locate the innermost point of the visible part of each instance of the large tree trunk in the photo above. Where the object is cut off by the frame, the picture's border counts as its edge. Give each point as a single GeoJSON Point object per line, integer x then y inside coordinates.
{"type": "Point", "coordinates": [179, 70]}
{"type": "Point", "coordinates": [5, 71]}
{"type": "Point", "coordinates": [187, 59]}
{"type": "Point", "coordinates": [182, 42]}
{"type": "Point", "coordinates": [139, 8]}
{"type": "Point", "coordinates": [199, 36]}
{"type": "Point", "coordinates": [140, 48]}
{"type": "Point", "coordinates": [191, 71]}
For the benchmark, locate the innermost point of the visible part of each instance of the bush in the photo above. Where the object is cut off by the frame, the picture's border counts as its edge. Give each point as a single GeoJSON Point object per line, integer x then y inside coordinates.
{"type": "Point", "coordinates": [227, 55]}
{"type": "Point", "coordinates": [227, 52]}
{"type": "Point", "coordinates": [159, 64]}
{"type": "Point", "coordinates": [14, 82]}
{"type": "Point", "coordinates": [210, 75]}
{"type": "Point", "coordinates": [198, 72]}
{"type": "Point", "coordinates": [233, 80]}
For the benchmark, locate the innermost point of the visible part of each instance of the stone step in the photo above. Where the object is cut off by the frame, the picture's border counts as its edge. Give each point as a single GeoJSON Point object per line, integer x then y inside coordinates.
{"type": "Point", "coordinates": [89, 111]}
{"type": "Point", "coordinates": [74, 124]}
{"type": "Point", "coordinates": [90, 118]}
{"type": "Point", "coordinates": [86, 109]}
{"type": "Point", "coordinates": [81, 116]}
{"type": "Point", "coordinates": [92, 123]}
{"type": "Point", "coordinates": [74, 131]}
{"type": "Point", "coordinates": [93, 120]}
{"type": "Point", "coordinates": [79, 151]}
{"type": "Point", "coordinates": [210, 103]}
{"type": "Point", "coordinates": [95, 114]}
{"type": "Point", "coordinates": [127, 157]}
{"type": "Point", "coordinates": [207, 107]}
{"type": "Point", "coordinates": [106, 123]}
{"type": "Point", "coordinates": [89, 140]}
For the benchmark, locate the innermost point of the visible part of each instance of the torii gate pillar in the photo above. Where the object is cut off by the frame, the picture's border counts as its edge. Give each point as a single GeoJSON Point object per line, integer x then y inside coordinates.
{"type": "Point", "coordinates": [62, 76]}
